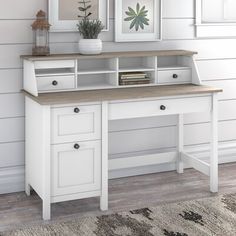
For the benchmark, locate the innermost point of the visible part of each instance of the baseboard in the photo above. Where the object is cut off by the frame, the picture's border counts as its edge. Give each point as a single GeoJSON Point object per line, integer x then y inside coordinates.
{"type": "Point", "coordinates": [12, 178]}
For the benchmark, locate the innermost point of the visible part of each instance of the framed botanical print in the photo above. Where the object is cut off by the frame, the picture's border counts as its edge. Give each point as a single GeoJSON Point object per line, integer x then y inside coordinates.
{"type": "Point", "coordinates": [138, 20]}
{"type": "Point", "coordinates": [64, 14]}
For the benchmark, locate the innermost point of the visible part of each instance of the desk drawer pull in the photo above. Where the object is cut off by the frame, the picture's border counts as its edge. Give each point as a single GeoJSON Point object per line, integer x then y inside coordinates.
{"type": "Point", "coordinates": [76, 146]}
{"type": "Point", "coordinates": [76, 110]}
{"type": "Point", "coordinates": [163, 108]}
{"type": "Point", "coordinates": [54, 83]}
{"type": "Point", "coordinates": [175, 76]}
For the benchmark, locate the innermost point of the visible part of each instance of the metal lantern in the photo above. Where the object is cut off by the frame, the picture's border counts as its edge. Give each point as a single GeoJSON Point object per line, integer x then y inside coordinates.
{"type": "Point", "coordinates": [41, 35]}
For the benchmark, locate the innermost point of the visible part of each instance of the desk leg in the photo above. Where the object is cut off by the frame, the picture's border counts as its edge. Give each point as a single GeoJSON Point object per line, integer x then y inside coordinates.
{"type": "Point", "coordinates": [214, 146]}
{"type": "Point", "coordinates": [104, 189]}
{"type": "Point", "coordinates": [180, 131]}
{"type": "Point", "coordinates": [46, 141]}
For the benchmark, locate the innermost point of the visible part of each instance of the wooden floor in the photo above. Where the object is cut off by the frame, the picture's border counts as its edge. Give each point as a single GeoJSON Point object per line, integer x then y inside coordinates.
{"type": "Point", "coordinates": [18, 210]}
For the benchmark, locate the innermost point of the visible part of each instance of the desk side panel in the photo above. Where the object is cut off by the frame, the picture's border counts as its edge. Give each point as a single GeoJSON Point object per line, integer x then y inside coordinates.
{"type": "Point", "coordinates": [30, 83]}
{"type": "Point", "coordinates": [34, 145]}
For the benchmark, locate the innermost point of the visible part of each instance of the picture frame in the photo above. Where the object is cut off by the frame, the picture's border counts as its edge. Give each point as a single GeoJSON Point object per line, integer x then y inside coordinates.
{"type": "Point", "coordinates": [55, 11]}
{"type": "Point", "coordinates": [217, 23]}
{"type": "Point", "coordinates": [131, 27]}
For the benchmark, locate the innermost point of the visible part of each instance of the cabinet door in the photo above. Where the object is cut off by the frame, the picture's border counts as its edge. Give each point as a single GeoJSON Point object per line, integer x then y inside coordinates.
{"type": "Point", "coordinates": [76, 168]}
{"type": "Point", "coordinates": [76, 123]}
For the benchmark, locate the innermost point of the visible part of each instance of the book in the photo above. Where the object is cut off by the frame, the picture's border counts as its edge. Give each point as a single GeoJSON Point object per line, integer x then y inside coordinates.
{"type": "Point", "coordinates": [135, 75]}
{"type": "Point", "coordinates": [134, 82]}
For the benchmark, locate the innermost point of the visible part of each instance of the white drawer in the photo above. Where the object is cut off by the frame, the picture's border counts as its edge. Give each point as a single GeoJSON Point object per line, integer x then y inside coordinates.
{"type": "Point", "coordinates": [53, 83]}
{"type": "Point", "coordinates": [76, 168]}
{"type": "Point", "coordinates": [79, 123]}
{"type": "Point", "coordinates": [54, 64]}
{"type": "Point", "coordinates": [126, 110]}
{"type": "Point", "coordinates": [174, 76]}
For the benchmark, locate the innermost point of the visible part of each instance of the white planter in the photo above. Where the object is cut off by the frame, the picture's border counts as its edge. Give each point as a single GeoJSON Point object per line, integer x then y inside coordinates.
{"type": "Point", "coordinates": [90, 46]}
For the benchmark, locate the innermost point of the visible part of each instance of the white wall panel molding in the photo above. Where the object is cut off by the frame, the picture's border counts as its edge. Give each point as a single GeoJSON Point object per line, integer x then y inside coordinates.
{"type": "Point", "coordinates": [12, 130]}
{"type": "Point", "coordinates": [23, 9]}
{"type": "Point", "coordinates": [178, 29]}
{"type": "Point", "coordinates": [228, 86]}
{"type": "Point", "coordinates": [217, 69]}
{"type": "Point", "coordinates": [12, 154]}
{"type": "Point", "coordinates": [16, 31]}
{"type": "Point", "coordinates": [178, 9]}
{"type": "Point", "coordinates": [11, 80]}
{"type": "Point", "coordinates": [14, 107]}
{"type": "Point", "coordinates": [10, 55]}
{"type": "Point", "coordinates": [165, 137]}
{"type": "Point", "coordinates": [12, 179]}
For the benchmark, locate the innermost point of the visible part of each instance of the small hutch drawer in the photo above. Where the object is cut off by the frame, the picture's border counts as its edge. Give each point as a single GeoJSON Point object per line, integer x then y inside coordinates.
{"type": "Point", "coordinates": [76, 168]}
{"type": "Point", "coordinates": [52, 83]}
{"type": "Point", "coordinates": [174, 76]}
{"type": "Point", "coordinates": [76, 123]}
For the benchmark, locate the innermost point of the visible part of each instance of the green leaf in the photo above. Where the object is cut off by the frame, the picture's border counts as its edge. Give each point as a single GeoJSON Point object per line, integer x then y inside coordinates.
{"type": "Point", "coordinates": [132, 24]}
{"type": "Point", "coordinates": [82, 9]}
{"type": "Point", "coordinates": [129, 18]}
{"type": "Point", "coordinates": [136, 25]}
{"type": "Point", "coordinates": [142, 9]}
{"type": "Point", "coordinates": [88, 7]}
{"type": "Point", "coordinates": [137, 8]}
{"type": "Point", "coordinates": [129, 13]}
{"type": "Point", "coordinates": [145, 21]}
{"type": "Point", "coordinates": [132, 11]}
{"type": "Point", "coordinates": [141, 25]}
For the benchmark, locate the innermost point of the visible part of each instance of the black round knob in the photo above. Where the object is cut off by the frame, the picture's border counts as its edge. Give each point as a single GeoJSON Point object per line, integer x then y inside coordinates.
{"type": "Point", "coordinates": [54, 83]}
{"type": "Point", "coordinates": [175, 76]}
{"type": "Point", "coordinates": [163, 108]}
{"type": "Point", "coordinates": [76, 110]}
{"type": "Point", "coordinates": [76, 146]}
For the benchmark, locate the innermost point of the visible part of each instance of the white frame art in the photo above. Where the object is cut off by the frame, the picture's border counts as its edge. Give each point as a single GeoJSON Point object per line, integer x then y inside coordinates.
{"type": "Point", "coordinates": [120, 36]}
{"type": "Point", "coordinates": [70, 25]}
{"type": "Point", "coordinates": [213, 28]}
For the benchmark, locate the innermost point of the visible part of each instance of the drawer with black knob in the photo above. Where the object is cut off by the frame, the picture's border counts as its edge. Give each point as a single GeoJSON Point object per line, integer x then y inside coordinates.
{"type": "Point", "coordinates": [159, 107]}
{"type": "Point", "coordinates": [54, 83]}
{"type": "Point", "coordinates": [78, 122]}
{"type": "Point", "coordinates": [174, 76]}
{"type": "Point", "coordinates": [76, 168]}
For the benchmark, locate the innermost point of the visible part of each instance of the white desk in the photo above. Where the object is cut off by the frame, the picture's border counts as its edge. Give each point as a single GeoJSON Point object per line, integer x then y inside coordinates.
{"type": "Point", "coordinates": [67, 137]}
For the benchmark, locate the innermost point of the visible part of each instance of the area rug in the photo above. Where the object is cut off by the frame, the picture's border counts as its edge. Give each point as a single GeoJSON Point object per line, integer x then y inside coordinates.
{"type": "Point", "coordinates": [210, 216]}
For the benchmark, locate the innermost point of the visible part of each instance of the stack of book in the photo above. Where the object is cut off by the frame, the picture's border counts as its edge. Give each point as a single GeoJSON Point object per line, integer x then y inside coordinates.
{"type": "Point", "coordinates": [133, 78]}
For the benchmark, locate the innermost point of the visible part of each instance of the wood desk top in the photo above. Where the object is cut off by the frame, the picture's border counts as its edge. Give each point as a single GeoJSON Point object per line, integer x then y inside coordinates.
{"type": "Point", "coordinates": [121, 94]}
{"type": "Point", "coordinates": [107, 55]}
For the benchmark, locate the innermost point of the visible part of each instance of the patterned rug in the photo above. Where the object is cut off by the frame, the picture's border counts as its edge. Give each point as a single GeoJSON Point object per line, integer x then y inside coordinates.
{"type": "Point", "coordinates": [211, 216]}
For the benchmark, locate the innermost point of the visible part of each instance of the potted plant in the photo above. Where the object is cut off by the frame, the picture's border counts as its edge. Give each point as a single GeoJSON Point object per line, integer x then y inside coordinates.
{"type": "Point", "coordinates": [89, 30]}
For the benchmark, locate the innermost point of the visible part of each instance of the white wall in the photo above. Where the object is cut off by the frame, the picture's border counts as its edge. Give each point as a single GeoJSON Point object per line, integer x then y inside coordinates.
{"type": "Point", "coordinates": [216, 60]}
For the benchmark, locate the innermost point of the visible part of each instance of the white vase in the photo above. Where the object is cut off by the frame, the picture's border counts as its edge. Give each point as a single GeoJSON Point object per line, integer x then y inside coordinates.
{"type": "Point", "coordinates": [90, 46]}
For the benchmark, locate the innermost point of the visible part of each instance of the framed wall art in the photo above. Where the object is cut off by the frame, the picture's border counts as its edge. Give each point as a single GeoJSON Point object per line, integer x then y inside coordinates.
{"type": "Point", "coordinates": [138, 20]}
{"type": "Point", "coordinates": [63, 14]}
{"type": "Point", "coordinates": [220, 22]}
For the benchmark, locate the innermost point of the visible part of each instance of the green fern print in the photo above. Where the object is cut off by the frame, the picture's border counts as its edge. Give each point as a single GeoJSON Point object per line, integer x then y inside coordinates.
{"type": "Point", "coordinates": [138, 17]}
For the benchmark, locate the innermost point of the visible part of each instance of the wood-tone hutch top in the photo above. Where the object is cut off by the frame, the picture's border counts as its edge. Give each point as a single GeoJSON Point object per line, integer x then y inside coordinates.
{"type": "Point", "coordinates": [108, 55]}
{"type": "Point", "coordinates": [122, 94]}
